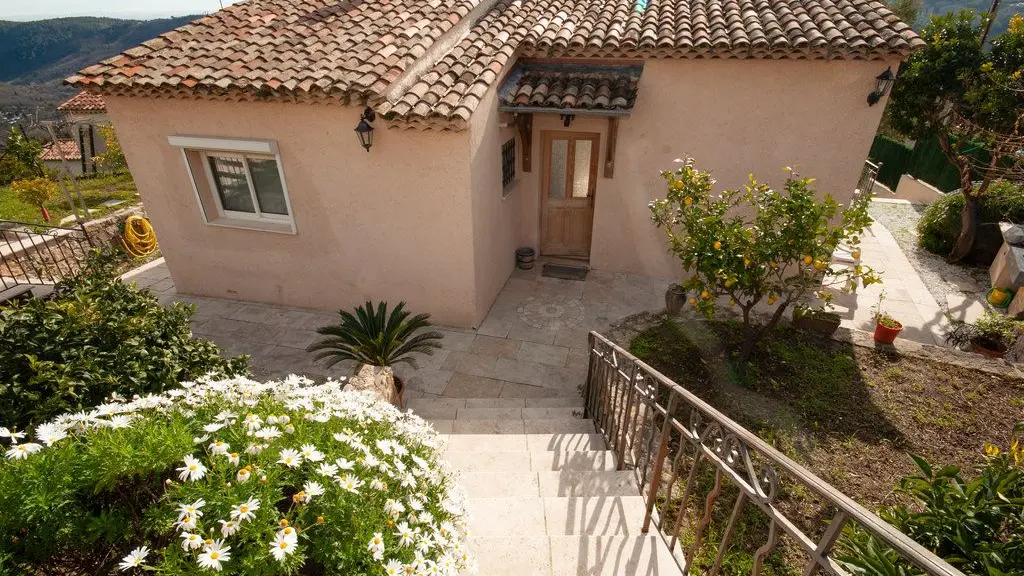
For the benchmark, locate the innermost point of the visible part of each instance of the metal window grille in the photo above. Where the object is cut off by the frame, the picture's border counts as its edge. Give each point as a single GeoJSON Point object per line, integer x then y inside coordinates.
{"type": "Point", "coordinates": [508, 162]}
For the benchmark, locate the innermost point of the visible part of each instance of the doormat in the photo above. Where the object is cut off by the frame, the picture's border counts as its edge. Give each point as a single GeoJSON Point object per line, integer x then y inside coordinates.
{"type": "Point", "coordinates": [564, 272]}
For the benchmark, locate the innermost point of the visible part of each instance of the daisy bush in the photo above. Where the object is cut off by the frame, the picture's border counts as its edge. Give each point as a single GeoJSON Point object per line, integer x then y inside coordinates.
{"type": "Point", "coordinates": [231, 476]}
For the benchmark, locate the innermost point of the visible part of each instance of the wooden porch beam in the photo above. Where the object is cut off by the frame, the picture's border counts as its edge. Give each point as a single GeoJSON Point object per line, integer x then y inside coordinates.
{"type": "Point", "coordinates": [524, 123]}
{"type": "Point", "coordinates": [613, 136]}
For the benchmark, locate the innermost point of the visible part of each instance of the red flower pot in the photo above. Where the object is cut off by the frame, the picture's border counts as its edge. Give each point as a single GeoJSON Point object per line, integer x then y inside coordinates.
{"type": "Point", "coordinates": [886, 335]}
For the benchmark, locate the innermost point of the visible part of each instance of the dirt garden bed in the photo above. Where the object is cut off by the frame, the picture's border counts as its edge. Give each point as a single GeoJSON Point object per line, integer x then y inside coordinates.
{"type": "Point", "coordinates": [850, 413]}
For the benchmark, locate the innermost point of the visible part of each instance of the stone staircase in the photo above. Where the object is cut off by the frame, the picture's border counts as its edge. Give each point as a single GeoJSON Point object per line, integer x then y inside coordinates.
{"type": "Point", "coordinates": [544, 495]}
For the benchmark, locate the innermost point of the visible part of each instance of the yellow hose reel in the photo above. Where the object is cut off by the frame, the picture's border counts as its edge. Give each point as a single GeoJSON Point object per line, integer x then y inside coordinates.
{"type": "Point", "coordinates": [139, 238]}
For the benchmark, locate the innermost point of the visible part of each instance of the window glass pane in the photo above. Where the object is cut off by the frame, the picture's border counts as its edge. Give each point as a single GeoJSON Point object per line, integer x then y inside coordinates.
{"type": "Point", "coordinates": [232, 185]}
{"type": "Point", "coordinates": [267, 182]}
{"type": "Point", "coordinates": [581, 170]}
{"type": "Point", "coordinates": [559, 158]}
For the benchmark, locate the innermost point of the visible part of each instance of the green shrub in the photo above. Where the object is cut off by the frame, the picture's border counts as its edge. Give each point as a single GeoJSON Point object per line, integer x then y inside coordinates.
{"type": "Point", "coordinates": [977, 525]}
{"type": "Point", "coordinates": [939, 227]}
{"type": "Point", "coordinates": [241, 477]}
{"type": "Point", "coordinates": [96, 337]}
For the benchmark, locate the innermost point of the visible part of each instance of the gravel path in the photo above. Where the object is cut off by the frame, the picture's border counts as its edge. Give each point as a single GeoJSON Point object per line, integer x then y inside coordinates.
{"type": "Point", "coordinates": [941, 278]}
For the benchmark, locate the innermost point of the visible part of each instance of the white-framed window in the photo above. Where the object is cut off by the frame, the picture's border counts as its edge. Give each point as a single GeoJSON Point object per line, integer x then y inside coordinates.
{"type": "Point", "coordinates": [238, 183]}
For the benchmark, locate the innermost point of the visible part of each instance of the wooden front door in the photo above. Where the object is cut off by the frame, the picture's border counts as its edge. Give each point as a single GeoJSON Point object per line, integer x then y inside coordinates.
{"type": "Point", "coordinates": [568, 180]}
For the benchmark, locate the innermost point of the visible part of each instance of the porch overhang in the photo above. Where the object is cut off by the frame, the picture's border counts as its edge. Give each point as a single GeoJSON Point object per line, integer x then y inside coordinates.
{"type": "Point", "coordinates": [570, 89]}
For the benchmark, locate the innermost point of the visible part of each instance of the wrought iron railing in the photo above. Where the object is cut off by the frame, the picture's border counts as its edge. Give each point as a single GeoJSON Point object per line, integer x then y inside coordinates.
{"type": "Point", "coordinates": [685, 455]}
{"type": "Point", "coordinates": [34, 254]}
{"type": "Point", "coordinates": [868, 176]}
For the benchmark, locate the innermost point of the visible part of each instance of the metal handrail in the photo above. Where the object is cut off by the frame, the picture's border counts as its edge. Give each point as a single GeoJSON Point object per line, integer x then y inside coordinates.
{"type": "Point", "coordinates": [30, 257]}
{"type": "Point", "coordinates": [625, 397]}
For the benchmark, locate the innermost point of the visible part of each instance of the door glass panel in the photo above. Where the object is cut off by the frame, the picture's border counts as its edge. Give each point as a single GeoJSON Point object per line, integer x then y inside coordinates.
{"type": "Point", "coordinates": [581, 169]}
{"type": "Point", "coordinates": [559, 158]}
{"type": "Point", "coordinates": [267, 182]}
{"type": "Point", "coordinates": [232, 184]}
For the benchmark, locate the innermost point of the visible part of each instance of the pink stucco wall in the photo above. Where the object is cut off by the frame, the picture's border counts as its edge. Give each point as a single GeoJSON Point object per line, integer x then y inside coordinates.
{"type": "Point", "coordinates": [394, 223]}
{"type": "Point", "coordinates": [735, 117]}
{"type": "Point", "coordinates": [422, 217]}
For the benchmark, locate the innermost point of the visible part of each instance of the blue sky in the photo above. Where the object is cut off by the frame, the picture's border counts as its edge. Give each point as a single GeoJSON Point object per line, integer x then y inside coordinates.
{"type": "Point", "coordinates": [39, 9]}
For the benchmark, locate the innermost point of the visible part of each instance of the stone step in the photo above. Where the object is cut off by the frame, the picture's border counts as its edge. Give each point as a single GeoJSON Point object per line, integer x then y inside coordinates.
{"type": "Point", "coordinates": [529, 442]}
{"type": "Point", "coordinates": [548, 484]}
{"type": "Point", "coordinates": [494, 461]}
{"type": "Point", "coordinates": [585, 516]}
{"type": "Point", "coordinates": [508, 413]}
{"type": "Point", "coordinates": [513, 426]}
{"type": "Point", "coordinates": [573, 556]}
{"type": "Point", "coordinates": [419, 404]}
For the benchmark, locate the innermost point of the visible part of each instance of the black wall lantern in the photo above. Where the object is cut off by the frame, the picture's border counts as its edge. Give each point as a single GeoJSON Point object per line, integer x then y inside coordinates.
{"type": "Point", "coordinates": [365, 129]}
{"type": "Point", "coordinates": [883, 82]}
{"type": "Point", "coordinates": [567, 119]}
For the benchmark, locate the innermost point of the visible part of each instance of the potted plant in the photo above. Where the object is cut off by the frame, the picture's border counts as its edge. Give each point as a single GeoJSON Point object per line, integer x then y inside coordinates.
{"type": "Point", "coordinates": [378, 338]}
{"type": "Point", "coordinates": [675, 298]}
{"type": "Point", "coordinates": [991, 335]}
{"type": "Point", "coordinates": [887, 328]}
{"type": "Point", "coordinates": [816, 320]}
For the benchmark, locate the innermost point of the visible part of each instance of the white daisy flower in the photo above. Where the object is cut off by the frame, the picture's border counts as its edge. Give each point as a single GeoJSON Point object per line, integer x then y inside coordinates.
{"type": "Point", "coordinates": [288, 533]}
{"type": "Point", "coordinates": [200, 439]}
{"type": "Point", "coordinates": [350, 483]}
{"type": "Point", "coordinates": [187, 524]}
{"type": "Point", "coordinates": [7, 433]}
{"type": "Point", "coordinates": [345, 464]}
{"type": "Point", "coordinates": [233, 458]}
{"type": "Point", "coordinates": [22, 451]}
{"type": "Point", "coordinates": [214, 555]}
{"type": "Point", "coordinates": [219, 447]}
{"type": "Point", "coordinates": [371, 461]}
{"type": "Point", "coordinates": [213, 427]}
{"type": "Point", "coordinates": [120, 421]}
{"type": "Point", "coordinates": [326, 469]}
{"type": "Point", "coordinates": [50, 433]}
{"type": "Point", "coordinates": [193, 509]}
{"type": "Point", "coordinates": [192, 470]}
{"type": "Point", "coordinates": [228, 527]}
{"type": "Point", "coordinates": [255, 449]}
{"type": "Point", "coordinates": [282, 547]}
{"type": "Point", "coordinates": [309, 452]}
{"type": "Point", "coordinates": [290, 458]}
{"type": "Point", "coordinates": [252, 421]}
{"type": "Point", "coordinates": [376, 545]}
{"type": "Point", "coordinates": [393, 508]}
{"type": "Point", "coordinates": [243, 475]}
{"type": "Point", "coordinates": [394, 568]}
{"type": "Point", "coordinates": [378, 484]}
{"type": "Point", "coordinates": [267, 433]}
{"type": "Point", "coordinates": [191, 541]}
{"type": "Point", "coordinates": [312, 489]}
{"type": "Point", "coordinates": [245, 510]}
{"type": "Point", "coordinates": [405, 534]}
{"type": "Point", "coordinates": [134, 558]}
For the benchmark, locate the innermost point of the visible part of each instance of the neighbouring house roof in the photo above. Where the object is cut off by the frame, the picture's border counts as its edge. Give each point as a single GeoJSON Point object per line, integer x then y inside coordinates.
{"type": "Point", "coordinates": [422, 62]}
{"type": "Point", "coordinates": [84, 102]}
{"type": "Point", "coordinates": [69, 147]}
{"type": "Point", "coordinates": [568, 89]}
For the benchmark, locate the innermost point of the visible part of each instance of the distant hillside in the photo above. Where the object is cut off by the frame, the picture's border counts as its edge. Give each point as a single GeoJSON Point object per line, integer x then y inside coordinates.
{"type": "Point", "coordinates": [1007, 8]}
{"type": "Point", "coordinates": [44, 50]}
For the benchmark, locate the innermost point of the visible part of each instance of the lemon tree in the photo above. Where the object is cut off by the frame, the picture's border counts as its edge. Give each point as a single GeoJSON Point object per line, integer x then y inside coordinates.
{"type": "Point", "coordinates": [756, 243]}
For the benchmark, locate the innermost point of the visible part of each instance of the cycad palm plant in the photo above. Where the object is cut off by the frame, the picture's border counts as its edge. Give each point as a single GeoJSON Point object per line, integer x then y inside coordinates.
{"type": "Point", "coordinates": [373, 336]}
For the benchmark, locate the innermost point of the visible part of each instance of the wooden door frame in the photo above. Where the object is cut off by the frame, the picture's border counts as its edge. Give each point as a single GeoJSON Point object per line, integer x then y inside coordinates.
{"type": "Point", "coordinates": [546, 137]}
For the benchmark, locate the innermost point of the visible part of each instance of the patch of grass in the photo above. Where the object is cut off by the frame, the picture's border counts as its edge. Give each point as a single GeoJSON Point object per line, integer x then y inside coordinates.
{"type": "Point", "coordinates": [95, 191]}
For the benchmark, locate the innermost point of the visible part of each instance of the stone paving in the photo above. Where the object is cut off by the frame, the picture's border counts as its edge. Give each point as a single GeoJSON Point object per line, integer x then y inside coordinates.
{"type": "Point", "coordinates": [531, 344]}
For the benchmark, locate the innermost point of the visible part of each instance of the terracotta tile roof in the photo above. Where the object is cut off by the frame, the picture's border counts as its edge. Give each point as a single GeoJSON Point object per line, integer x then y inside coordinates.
{"type": "Point", "coordinates": [354, 50]}
{"type": "Point", "coordinates": [69, 147]}
{"type": "Point", "coordinates": [84, 102]}
{"type": "Point", "coordinates": [264, 48]}
{"type": "Point", "coordinates": [605, 88]}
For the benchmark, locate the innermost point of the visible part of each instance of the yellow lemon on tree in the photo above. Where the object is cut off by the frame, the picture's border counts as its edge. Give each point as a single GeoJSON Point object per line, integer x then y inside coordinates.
{"type": "Point", "coordinates": [693, 300]}
{"type": "Point", "coordinates": [718, 245]}
{"type": "Point", "coordinates": [808, 259]}
{"type": "Point", "coordinates": [819, 264]}
{"type": "Point", "coordinates": [856, 254]}
{"type": "Point", "coordinates": [704, 294]}
{"type": "Point", "coordinates": [729, 283]}
{"type": "Point", "coordinates": [687, 200]}
{"type": "Point", "coordinates": [772, 300]}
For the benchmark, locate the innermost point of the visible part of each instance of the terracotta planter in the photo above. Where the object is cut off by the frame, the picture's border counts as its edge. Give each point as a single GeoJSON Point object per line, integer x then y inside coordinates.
{"type": "Point", "coordinates": [984, 348]}
{"type": "Point", "coordinates": [886, 335]}
{"type": "Point", "coordinates": [675, 298]}
{"type": "Point", "coordinates": [825, 323]}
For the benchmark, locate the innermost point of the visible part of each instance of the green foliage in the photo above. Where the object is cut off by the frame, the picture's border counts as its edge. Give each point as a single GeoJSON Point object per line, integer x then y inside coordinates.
{"type": "Point", "coordinates": [36, 191]}
{"type": "Point", "coordinates": [96, 337]}
{"type": "Point", "coordinates": [757, 243]}
{"type": "Point", "coordinates": [372, 336]}
{"type": "Point", "coordinates": [20, 158]}
{"type": "Point", "coordinates": [894, 157]}
{"type": "Point", "coordinates": [940, 224]}
{"type": "Point", "coordinates": [975, 524]}
{"type": "Point", "coordinates": [993, 330]}
{"type": "Point", "coordinates": [113, 157]}
{"type": "Point", "coordinates": [297, 456]}
{"type": "Point", "coordinates": [907, 10]}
